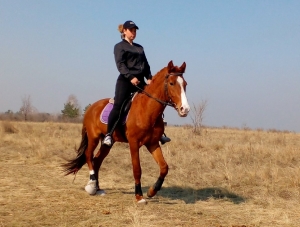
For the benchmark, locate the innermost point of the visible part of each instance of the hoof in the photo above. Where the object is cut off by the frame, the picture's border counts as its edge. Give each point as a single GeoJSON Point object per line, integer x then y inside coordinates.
{"type": "Point", "coordinates": [151, 192]}
{"type": "Point", "coordinates": [140, 200]}
{"type": "Point", "coordinates": [100, 192]}
{"type": "Point", "coordinates": [91, 187]}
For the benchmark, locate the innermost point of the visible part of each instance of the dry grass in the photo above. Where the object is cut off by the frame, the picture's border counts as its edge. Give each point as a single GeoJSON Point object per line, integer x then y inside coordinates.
{"type": "Point", "coordinates": [8, 127]}
{"type": "Point", "coordinates": [224, 178]}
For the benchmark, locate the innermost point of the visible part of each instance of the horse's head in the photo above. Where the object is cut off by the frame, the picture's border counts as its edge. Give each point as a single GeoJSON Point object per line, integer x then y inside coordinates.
{"type": "Point", "coordinates": [175, 87]}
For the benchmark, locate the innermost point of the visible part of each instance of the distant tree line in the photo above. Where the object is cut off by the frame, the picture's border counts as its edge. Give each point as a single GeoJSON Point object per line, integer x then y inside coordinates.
{"type": "Point", "coordinates": [71, 112]}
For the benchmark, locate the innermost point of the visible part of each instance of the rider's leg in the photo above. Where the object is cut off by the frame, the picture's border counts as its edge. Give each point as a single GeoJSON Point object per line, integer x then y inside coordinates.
{"type": "Point", "coordinates": [122, 92]}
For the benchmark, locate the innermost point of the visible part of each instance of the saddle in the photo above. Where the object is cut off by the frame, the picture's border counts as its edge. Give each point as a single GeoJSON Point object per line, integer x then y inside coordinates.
{"type": "Point", "coordinates": [124, 111]}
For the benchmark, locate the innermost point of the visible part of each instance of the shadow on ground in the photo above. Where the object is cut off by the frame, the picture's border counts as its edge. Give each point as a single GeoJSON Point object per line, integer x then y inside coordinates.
{"type": "Point", "coordinates": [191, 195]}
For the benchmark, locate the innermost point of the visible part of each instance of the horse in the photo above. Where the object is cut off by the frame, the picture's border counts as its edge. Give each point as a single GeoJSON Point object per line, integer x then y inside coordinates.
{"type": "Point", "coordinates": [144, 126]}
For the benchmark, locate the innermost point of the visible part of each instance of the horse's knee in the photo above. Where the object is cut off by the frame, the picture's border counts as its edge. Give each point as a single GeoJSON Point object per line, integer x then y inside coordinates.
{"type": "Point", "coordinates": [164, 169]}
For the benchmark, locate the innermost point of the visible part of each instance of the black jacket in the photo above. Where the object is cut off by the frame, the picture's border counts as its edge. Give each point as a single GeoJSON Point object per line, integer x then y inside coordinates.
{"type": "Point", "coordinates": [131, 61]}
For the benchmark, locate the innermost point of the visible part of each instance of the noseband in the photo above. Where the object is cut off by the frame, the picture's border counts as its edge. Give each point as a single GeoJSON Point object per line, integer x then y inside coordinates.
{"type": "Point", "coordinates": [169, 101]}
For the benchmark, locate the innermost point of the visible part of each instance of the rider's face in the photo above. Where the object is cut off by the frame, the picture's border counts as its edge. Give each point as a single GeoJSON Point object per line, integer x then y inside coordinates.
{"type": "Point", "coordinates": [130, 33]}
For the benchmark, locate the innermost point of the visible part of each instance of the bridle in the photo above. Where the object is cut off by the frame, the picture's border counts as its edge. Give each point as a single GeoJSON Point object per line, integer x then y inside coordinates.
{"type": "Point", "coordinates": [164, 103]}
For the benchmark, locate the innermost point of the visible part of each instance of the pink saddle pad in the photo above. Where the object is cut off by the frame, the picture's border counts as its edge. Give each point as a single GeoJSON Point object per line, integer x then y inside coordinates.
{"type": "Point", "coordinates": [105, 113]}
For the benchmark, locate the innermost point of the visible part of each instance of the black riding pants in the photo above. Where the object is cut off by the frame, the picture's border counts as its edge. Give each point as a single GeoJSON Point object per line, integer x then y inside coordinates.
{"type": "Point", "coordinates": [122, 92]}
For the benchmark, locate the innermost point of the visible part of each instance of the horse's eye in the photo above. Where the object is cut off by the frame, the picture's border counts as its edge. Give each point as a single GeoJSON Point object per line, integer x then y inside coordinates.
{"type": "Point", "coordinates": [171, 84]}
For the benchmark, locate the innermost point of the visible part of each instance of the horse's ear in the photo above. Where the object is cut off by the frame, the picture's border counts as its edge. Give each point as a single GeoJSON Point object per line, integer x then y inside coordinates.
{"type": "Point", "coordinates": [182, 67]}
{"type": "Point", "coordinates": [170, 66]}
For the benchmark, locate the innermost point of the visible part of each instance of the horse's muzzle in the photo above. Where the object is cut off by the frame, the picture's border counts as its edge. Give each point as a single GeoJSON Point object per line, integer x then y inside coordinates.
{"type": "Point", "coordinates": [183, 112]}
{"type": "Point", "coordinates": [182, 115]}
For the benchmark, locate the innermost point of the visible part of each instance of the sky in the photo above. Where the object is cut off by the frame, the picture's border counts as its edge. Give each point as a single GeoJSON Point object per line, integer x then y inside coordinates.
{"type": "Point", "coordinates": [242, 57]}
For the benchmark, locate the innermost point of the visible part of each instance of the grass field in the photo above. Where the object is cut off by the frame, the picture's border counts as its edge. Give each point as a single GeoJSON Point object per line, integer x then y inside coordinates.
{"type": "Point", "coordinates": [223, 178]}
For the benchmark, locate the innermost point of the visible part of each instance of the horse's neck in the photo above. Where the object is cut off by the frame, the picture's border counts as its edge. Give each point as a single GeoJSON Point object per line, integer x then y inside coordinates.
{"type": "Point", "coordinates": [155, 89]}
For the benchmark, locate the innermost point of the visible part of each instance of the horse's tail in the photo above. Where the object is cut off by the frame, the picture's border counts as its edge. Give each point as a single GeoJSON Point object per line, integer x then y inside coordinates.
{"type": "Point", "coordinates": [73, 166]}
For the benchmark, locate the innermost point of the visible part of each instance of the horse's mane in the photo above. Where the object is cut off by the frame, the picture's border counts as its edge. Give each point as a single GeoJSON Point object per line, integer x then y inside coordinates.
{"type": "Point", "coordinates": [157, 79]}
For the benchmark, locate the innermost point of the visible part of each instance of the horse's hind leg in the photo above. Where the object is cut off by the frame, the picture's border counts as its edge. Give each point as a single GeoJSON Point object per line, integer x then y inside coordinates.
{"type": "Point", "coordinates": [91, 186]}
{"type": "Point", "coordinates": [98, 159]}
{"type": "Point", "coordinates": [156, 152]}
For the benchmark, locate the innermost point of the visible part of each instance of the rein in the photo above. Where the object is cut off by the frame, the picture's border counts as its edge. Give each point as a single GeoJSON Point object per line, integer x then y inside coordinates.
{"type": "Point", "coordinates": [164, 103]}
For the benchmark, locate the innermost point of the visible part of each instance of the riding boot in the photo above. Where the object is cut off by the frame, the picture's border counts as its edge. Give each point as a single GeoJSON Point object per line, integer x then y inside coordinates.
{"type": "Point", "coordinates": [108, 140]}
{"type": "Point", "coordinates": [164, 139]}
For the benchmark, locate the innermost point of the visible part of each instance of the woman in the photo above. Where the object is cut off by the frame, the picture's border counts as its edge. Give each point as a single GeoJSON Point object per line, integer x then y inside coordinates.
{"type": "Point", "coordinates": [133, 66]}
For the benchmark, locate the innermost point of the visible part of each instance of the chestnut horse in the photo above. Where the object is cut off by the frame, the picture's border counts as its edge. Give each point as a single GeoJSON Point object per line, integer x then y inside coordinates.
{"type": "Point", "coordinates": [144, 126]}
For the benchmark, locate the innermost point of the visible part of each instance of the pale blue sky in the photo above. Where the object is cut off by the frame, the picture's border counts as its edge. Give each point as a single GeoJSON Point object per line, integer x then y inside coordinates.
{"type": "Point", "coordinates": [243, 57]}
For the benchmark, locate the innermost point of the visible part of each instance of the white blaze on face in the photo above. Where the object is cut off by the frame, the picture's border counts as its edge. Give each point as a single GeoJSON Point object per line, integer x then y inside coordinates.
{"type": "Point", "coordinates": [185, 108]}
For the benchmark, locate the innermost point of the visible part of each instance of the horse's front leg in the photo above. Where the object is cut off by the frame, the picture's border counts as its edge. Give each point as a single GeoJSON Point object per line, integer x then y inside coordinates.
{"type": "Point", "coordinates": [137, 171]}
{"type": "Point", "coordinates": [156, 152]}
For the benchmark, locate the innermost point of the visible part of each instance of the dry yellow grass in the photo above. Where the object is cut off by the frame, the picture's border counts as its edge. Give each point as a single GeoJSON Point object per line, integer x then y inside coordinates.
{"type": "Point", "coordinates": [224, 178]}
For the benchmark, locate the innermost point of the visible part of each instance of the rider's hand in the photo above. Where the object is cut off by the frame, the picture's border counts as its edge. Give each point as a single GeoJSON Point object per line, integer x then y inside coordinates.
{"type": "Point", "coordinates": [149, 81]}
{"type": "Point", "coordinates": [135, 81]}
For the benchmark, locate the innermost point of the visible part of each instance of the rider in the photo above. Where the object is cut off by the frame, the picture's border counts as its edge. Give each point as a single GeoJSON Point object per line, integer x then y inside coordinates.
{"type": "Point", "coordinates": [133, 66]}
